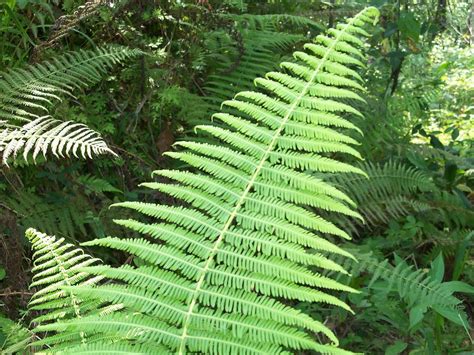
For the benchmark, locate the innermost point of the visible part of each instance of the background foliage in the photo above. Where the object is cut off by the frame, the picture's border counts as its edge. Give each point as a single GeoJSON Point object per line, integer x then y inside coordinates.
{"type": "Point", "coordinates": [415, 247]}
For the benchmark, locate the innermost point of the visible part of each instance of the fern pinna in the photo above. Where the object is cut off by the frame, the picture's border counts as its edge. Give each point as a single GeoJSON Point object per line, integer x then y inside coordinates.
{"type": "Point", "coordinates": [218, 273]}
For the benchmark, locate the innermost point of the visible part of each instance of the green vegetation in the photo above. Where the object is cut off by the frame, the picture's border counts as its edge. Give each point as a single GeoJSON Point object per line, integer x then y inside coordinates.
{"type": "Point", "coordinates": [309, 168]}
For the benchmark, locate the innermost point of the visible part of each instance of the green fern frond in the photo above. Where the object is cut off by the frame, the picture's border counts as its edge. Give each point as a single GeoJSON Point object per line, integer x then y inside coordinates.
{"type": "Point", "coordinates": [455, 211]}
{"type": "Point", "coordinates": [258, 57]}
{"type": "Point", "coordinates": [45, 134]}
{"type": "Point", "coordinates": [389, 193]}
{"type": "Point", "coordinates": [97, 185]}
{"type": "Point", "coordinates": [272, 22]}
{"type": "Point", "coordinates": [57, 264]}
{"type": "Point", "coordinates": [64, 217]}
{"type": "Point", "coordinates": [15, 337]}
{"type": "Point", "coordinates": [25, 92]}
{"type": "Point", "coordinates": [414, 286]}
{"type": "Point", "coordinates": [56, 267]}
{"type": "Point", "coordinates": [217, 271]}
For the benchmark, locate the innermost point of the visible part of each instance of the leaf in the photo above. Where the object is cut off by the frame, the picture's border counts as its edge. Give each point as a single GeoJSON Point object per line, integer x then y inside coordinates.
{"type": "Point", "coordinates": [3, 273]}
{"type": "Point", "coordinates": [416, 315]}
{"type": "Point", "coordinates": [396, 348]}
{"type": "Point", "coordinates": [435, 142]}
{"type": "Point", "coordinates": [458, 286]}
{"type": "Point", "coordinates": [409, 26]}
{"type": "Point", "coordinates": [437, 268]}
{"type": "Point", "coordinates": [97, 185]}
{"type": "Point", "coordinates": [450, 172]}
{"type": "Point", "coordinates": [454, 315]}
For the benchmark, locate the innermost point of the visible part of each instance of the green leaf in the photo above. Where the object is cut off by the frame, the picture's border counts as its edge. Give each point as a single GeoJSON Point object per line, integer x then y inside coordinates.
{"type": "Point", "coordinates": [437, 268]}
{"type": "Point", "coordinates": [416, 315]}
{"type": "Point", "coordinates": [458, 286]}
{"type": "Point", "coordinates": [396, 348]}
{"type": "Point", "coordinates": [450, 172]}
{"type": "Point", "coordinates": [3, 273]}
{"type": "Point", "coordinates": [453, 315]}
{"type": "Point", "coordinates": [22, 3]}
{"type": "Point", "coordinates": [435, 142]}
{"type": "Point", "coordinates": [409, 25]}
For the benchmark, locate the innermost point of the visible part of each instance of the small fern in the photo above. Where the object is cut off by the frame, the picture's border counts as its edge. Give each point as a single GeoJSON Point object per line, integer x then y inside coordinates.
{"type": "Point", "coordinates": [15, 336]}
{"type": "Point", "coordinates": [215, 273]}
{"type": "Point", "coordinates": [97, 185]}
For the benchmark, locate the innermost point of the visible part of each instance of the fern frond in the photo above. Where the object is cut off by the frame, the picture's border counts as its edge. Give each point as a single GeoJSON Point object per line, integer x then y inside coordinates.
{"type": "Point", "coordinates": [217, 269]}
{"type": "Point", "coordinates": [389, 193]}
{"type": "Point", "coordinates": [25, 92]}
{"type": "Point", "coordinates": [62, 217]}
{"type": "Point", "coordinates": [272, 22]}
{"type": "Point", "coordinates": [15, 336]}
{"type": "Point", "coordinates": [56, 267]}
{"type": "Point", "coordinates": [258, 57]}
{"type": "Point", "coordinates": [453, 210]}
{"type": "Point", "coordinates": [45, 134]}
{"type": "Point", "coordinates": [57, 264]}
{"type": "Point", "coordinates": [97, 185]}
{"type": "Point", "coordinates": [414, 286]}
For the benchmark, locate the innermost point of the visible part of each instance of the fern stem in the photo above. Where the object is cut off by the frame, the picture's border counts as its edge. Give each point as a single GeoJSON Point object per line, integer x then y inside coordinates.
{"type": "Point", "coordinates": [240, 202]}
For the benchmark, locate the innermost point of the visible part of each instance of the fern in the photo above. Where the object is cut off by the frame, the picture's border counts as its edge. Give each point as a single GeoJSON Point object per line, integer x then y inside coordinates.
{"type": "Point", "coordinates": [261, 41]}
{"type": "Point", "coordinates": [388, 194]}
{"type": "Point", "coordinates": [97, 185]}
{"type": "Point", "coordinates": [256, 59]}
{"type": "Point", "coordinates": [216, 272]}
{"type": "Point", "coordinates": [416, 287]}
{"type": "Point", "coordinates": [30, 89]}
{"type": "Point", "coordinates": [272, 22]}
{"type": "Point", "coordinates": [57, 265]}
{"type": "Point", "coordinates": [65, 217]}
{"type": "Point", "coordinates": [46, 134]}
{"type": "Point", "coordinates": [26, 94]}
{"type": "Point", "coordinates": [13, 336]}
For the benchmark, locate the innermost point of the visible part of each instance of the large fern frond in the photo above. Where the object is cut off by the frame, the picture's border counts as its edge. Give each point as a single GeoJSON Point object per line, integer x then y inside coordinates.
{"type": "Point", "coordinates": [216, 272]}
